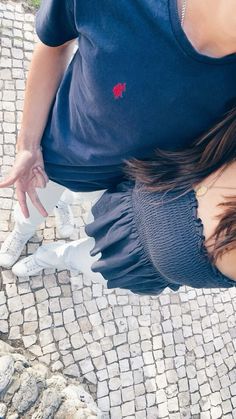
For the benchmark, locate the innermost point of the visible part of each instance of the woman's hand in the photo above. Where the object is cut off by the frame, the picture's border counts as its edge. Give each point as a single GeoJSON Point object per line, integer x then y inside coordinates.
{"type": "Point", "coordinates": [28, 174]}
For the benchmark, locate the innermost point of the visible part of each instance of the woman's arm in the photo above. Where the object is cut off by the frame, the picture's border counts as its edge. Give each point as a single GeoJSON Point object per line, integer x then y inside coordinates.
{"type": "Point", "coordinates": [46, 71]}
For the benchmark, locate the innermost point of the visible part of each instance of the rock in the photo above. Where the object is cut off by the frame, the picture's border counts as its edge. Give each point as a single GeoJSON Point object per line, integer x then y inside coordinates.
{"type": "Point", "coordinates": [77, 392]}
{"type": "Point", "coordinates": [84, 414]}
{"type": "Point", "coordinates": [58, 365]}
{"type": "Point", "coordinates": [57, 381]}
{"type": "Point", "coordinates": [5, 348]}
{"type": "Point", "coordinates": [91, 378]}
{"type": "Point", "coordinates": [68, 409]}
{"type": "Point", "coordinates": [21, 358]}
{"type": "Point", "coordinates": [75, 409]}
{"type": "Point", "coordinates": [72, 371]}
{"type": "Point", "coordinates": [20, 362]}
{"type": "Point", "coordinates": [3, 410]}
{"type": "Point", "coordinates": [27, 394]}
{"type": "Point", "coordinates": [19, 367]}
{"type": "Point", "coordinates": [40, 370]}
{"type": "Point", "coordinates": [62, 397]}
{"type": "Point", "coordinates": [13, 388]}
{"type": "Point", "coordinates": [49, 404]}
{"type": "Point", "coordinates": [6, 371]}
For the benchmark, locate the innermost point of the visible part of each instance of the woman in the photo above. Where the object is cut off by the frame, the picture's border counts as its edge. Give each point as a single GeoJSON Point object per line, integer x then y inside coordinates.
{"type": "Point", "coordinates": [146, 74]}
{"type": "Point", "coordinates": [175, 225]}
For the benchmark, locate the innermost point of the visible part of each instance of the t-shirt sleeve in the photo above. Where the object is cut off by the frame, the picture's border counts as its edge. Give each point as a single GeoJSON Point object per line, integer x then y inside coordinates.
{"type": "Point", "coordinates": [55, 22]}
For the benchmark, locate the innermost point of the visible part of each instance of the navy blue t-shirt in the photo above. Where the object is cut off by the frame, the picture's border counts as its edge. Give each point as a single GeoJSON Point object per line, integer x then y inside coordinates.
{"type": "Point", "coordinates": [135, 83]}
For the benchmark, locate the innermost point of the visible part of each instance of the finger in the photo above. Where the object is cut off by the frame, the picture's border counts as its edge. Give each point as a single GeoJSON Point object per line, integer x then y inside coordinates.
{"type": "Point", "coordinates": [39, 181]}
{"type": "Point", "coordinates": [21, 196]}
{"type": "Point", "coordinates": [37, 203]}
{"type": "Point", "coordinates": [44, 174]}
{"type": "Point", "coordinates": [9, 181]}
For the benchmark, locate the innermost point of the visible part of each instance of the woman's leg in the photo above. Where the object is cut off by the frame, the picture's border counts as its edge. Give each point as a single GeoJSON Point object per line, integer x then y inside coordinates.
{"type": "Point", "coordinates": [73, 255]}
{"type": "Point", "coordinates": [49, 196]}
{"type": "Point", "coordinates": [68, 197]}
{"type": "Point", "coordinates": [64, 217]}
{"type": "Point", "coordinates": [25, 228]}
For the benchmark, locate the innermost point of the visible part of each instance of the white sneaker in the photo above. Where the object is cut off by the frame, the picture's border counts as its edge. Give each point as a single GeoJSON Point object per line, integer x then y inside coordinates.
{"type": "Point", "coordinates": [28, 266]}
{"type": "Point", "coordinates": [64, 219]}
{"type": "Point", "coordinates": [50, 255]}
{"type": "Point", "coordinates": [12, 248]}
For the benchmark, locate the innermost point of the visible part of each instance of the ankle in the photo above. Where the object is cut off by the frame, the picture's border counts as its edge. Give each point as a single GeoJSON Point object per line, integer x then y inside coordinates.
{"type": "Point", "coordinates": [51, 256]}
{"type": "Point", "coordinates": [23, 234]}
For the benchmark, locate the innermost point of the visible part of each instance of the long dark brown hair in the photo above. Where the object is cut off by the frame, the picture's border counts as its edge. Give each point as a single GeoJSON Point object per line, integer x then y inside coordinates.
{"type": "Point", "coordinates": [181, 169]}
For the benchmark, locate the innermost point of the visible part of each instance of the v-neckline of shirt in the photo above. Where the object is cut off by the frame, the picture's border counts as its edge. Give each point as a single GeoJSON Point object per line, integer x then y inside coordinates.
{"type": "Point", "coordinates": [186, 45]}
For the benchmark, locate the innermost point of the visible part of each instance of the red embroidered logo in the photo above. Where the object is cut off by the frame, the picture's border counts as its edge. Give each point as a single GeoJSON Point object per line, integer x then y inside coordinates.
{"type": "Point", "coordinates": [118, 90]}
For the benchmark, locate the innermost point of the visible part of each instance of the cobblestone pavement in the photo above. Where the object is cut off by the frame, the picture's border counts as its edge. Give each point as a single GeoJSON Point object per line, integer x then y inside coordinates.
{"type": "Point", "coordinates": [168, 357]}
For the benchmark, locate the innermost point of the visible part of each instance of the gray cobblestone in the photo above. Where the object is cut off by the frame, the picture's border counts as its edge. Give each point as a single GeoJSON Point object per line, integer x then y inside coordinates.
{"type": "Point", "coordinates": [15, 303]}
{"type": "Point", "coordinates": [45, 322]}
{"type": "Point", "coordinates": [2, 298]}
{"type": "Point", "coordinates": [29, 340]}
{"type": "Point", "coordinates": [30, 328]}
{"type": "Point", "coordinates": [45, 337]}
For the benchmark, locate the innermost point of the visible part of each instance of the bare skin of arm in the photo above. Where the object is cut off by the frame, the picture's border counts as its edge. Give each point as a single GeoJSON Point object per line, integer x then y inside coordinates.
{"type": "Point", "coordinates": [227, 264]}
{"type": "Point", "coordinates": [46, 71]}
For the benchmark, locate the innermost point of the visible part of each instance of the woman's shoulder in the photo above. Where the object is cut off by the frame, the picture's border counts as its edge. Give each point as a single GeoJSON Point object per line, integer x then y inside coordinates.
{"type": "Point", "coordinates": [210, 212]}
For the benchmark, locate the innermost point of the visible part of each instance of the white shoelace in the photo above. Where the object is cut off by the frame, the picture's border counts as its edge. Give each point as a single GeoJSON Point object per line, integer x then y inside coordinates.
{"type": "Point", "coordinates": [31, 264]}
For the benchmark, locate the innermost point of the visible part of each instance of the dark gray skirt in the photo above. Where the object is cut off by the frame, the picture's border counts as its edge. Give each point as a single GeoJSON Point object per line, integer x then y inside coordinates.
{"type": "Point", "coordinates": [123, 262]}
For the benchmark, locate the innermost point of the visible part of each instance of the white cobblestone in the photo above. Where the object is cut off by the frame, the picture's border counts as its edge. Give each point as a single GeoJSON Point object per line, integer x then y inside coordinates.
{"type": "Point", "coordinates": [15, 303]}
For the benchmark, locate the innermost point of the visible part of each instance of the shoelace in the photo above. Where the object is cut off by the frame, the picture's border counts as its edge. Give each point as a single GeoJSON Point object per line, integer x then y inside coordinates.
{"type": "Point", "coordinates": [65, 215]}
{"type": "Point", "coordinates": [13, 243]}
{"type": "Point", "coordinates": [31, 264]}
